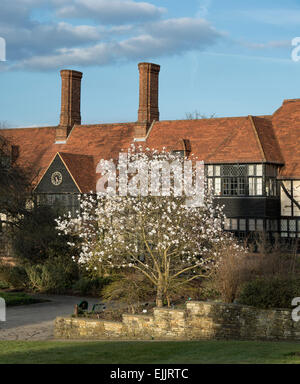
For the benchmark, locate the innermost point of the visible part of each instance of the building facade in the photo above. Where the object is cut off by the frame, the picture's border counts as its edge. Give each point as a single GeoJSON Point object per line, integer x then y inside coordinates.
{"type": "Point", "coordinates": [252, 162]}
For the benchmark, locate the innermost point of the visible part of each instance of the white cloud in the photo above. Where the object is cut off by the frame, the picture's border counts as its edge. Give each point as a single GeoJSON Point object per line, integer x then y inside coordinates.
{"type": "Point", "coordinates": [167, 37]}
{"type": "Point", "coordinates": [110, 11]}
{"type": "Point", "coordinates": [40, 39]}
{"type": "Point", "coordinates": [126, 30]}
{"type": "Point", "coordinates": [185, 31]}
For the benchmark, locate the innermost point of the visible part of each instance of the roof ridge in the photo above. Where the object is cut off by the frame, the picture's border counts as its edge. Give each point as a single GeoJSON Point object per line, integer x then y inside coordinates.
{"type": "Point", "coordinates": [103, 124]}
{"type": "Point", "coordinates": [257, 138]}
{"type": "Point", "coordinates": [26, 128]}
{"type": "Point", "coordinates": [73, 154]}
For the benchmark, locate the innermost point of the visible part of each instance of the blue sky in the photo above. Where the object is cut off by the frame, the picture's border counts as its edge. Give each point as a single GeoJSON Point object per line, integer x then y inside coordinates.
{"type": "Point", "coordinates": [230, 58]}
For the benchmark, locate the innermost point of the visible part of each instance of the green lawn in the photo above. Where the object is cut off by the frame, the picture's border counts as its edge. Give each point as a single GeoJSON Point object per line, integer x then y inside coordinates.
{"type": "Point", "coordinates": [193, 352]}
{"type": "Point", "coordinates": [19, 298]}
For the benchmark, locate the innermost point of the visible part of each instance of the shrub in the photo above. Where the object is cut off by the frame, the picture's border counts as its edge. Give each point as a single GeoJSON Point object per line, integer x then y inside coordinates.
{"type": "Point", "coordinates": [130, 288]}
{"type": "Point", "coordinates": [37, 239]}
{"type": "Point", "coordinates": [19, 299]}
{"type": "Point", "coordinates": [91, 286]}
{"type": "Point", "coordinates": [13, 276]}
{"type": "Point", "coordinates": [3, 285]}
{"type": "Point", "coordinates": [272, 293]}
{"type": "Point", "coordinates": [54, 276]}
{"type": "Point", "coordinates": [237, 268]}
{"type": "Point", "coordinates": [234, 269]}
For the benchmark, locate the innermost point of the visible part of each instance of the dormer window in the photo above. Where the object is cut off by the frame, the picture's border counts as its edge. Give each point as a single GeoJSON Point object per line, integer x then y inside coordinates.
{"type": "Point", "coordinates": [185, 150]}
{"type": "Point", "coordinates": [178, 153]}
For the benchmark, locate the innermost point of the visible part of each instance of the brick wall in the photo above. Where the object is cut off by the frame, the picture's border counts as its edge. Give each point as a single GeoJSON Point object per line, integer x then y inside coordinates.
{"type": "Point", "coordinates": [199, 320]}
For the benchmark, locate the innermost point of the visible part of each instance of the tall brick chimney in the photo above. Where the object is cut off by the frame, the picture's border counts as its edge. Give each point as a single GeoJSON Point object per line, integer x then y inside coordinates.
{"type": "Point", "coordinates": [148, 98]}
{"type": "Point", "coordinates": [70, 103]}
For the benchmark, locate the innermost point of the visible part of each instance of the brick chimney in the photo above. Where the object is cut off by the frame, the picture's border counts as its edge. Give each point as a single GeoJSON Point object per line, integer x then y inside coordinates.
{"type": "Point", "coordinates": [70, 103]}
{"type": "Point", "coordinates": [148, 98]}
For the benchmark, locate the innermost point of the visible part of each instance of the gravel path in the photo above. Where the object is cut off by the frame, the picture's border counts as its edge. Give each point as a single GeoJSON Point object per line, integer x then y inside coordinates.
{"type": "Point", "coordinates": [36, 321]}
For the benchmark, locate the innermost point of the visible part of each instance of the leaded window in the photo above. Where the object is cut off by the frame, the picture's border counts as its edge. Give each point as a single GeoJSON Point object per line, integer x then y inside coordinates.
{"type": "Point", "coordinates": [244, 224]}
{"type": "Point", "coordinates": [290, 228]}
{"type": "Point", "coordinates": [242, 179]}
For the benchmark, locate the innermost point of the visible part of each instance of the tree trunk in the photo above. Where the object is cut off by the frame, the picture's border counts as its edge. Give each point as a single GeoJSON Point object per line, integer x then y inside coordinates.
{"type": "Point", "coordinates": [159, 296]}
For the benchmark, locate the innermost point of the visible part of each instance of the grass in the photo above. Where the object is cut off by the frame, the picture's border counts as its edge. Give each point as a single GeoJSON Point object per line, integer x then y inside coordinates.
{"type": "Point", "coordinates": [19, 298]}
{"type": "Point", "coordinates": [155, 352]}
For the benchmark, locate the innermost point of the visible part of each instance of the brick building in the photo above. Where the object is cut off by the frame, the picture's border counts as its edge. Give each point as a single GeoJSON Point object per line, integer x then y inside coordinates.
{"type": "Point", "coordinates": [253, 162]}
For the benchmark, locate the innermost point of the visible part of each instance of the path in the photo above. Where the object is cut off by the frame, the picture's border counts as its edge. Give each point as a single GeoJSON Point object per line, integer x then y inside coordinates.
{"type": "Point", "coordinates": [36, 321]}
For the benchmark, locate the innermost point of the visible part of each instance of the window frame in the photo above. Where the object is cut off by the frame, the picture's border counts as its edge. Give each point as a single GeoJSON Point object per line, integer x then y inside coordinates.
{"type": "Point", "coordinates": [251, 179]}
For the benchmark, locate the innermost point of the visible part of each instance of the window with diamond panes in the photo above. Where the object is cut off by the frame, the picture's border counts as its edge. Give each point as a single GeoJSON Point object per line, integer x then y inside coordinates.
{"type": "Point", "coordinates": [290, 228]}
{"type": "Point", "coordinates": [239, 180]}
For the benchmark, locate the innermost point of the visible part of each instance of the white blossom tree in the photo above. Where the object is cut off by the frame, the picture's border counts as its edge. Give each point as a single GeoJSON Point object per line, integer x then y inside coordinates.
{"type": "Point", "coordinates": [167, 240]}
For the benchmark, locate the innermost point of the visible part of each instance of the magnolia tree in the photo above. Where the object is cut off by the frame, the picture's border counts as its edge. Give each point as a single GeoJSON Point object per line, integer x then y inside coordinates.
{"type": "Point", "coordinates": [168, 238]}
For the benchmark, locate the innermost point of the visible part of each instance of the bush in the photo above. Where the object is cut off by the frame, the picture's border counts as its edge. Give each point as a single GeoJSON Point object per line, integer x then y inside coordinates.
{"type": "Point", "coordinates": [19, 299]}
{"type": "Point", "coordinates": [13, 276]}
{"type": "Point", "coordinates": [37, 239]}
{"type": "Point", "coordinates": [3, 285]}
{"type": "Point", "coordinates": [91, 286]}
{"type": "Point", "coordinates": [131, 288]}
{"type": "Point", "coordinates": [54, 276]}
{"type": "Point", "coordinates": [237, 268]}
{"type": "Point", "coordinates": [234, 269]}
{"type": "Point", "coordinates": [272, 293]}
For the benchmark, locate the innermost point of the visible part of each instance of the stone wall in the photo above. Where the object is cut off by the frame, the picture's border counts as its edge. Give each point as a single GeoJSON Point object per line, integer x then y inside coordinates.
{"type": "Point", "coordinates": [198, 321]}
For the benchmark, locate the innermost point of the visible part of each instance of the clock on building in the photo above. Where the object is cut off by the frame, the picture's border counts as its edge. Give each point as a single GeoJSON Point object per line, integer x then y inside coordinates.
{"type": "Point", "coordinates": [56, 178]}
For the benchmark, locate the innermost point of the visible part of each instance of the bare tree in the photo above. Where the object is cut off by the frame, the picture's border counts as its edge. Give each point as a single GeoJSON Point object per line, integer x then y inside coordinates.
{"type": "Point", "coordinates": [196, 115]}
{"type": "Point", "coordinates": [4, 124]}
{"type": "Point", "coordinates": [15, 185]}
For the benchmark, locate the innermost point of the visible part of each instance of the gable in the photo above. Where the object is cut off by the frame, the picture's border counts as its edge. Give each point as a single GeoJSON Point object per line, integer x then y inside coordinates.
{"type": "Point", "coordinates": [67, 184]}
{"type": "Point", "coordinates": [82, 170]}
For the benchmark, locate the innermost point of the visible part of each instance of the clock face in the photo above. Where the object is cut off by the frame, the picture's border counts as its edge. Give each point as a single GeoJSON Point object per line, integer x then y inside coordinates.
{"type": "Point", "coordinates": [56, 178]}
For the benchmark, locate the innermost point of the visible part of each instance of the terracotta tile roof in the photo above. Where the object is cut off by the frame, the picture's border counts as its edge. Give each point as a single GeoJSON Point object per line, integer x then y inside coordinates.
{"type": "Point", "coordinates": [218, 140]}
{"type": "Point", "coordinates": [34, 147]}
{"type": "Point", "coordinates": [267, 139]}
{"type": "Point", "coordinates": [286, 125]}
{"type": "Point", "coordinates": [82, 169]}
{"type": "Point", "coordinates": [38, 148]}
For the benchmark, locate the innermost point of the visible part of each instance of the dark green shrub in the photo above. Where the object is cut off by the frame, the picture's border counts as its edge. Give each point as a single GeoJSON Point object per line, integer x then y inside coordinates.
{"type": "Point", "coordinates": [19, 298]}
{"type": "Point", "coordinates": [37, 239]}
{"type": "Point", "coordinates": [271, 293]}
{"type": "Point", "coordinates": [13, 276]}
{"type": "Point", "coordinates": [3, 285]}
{"type": "Point", "coordinates": [91, 286]}
{"type": "Point", "coordinates": [53, 276]}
